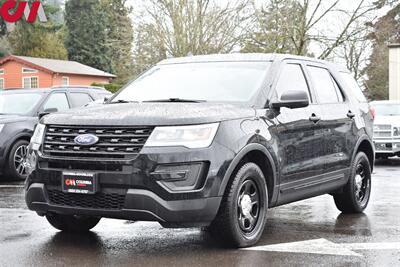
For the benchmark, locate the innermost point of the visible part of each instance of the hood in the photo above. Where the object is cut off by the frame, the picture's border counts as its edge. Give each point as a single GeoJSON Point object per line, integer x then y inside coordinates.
{"type": "Point", "coordinates": [150, 114]}
{"type": "Point", "coordinates": [387, 120]}
{"type": "Point", "coordinates": [12, 118]}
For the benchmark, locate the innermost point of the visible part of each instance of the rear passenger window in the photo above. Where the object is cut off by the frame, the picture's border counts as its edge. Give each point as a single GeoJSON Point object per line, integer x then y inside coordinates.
{"type": "Point", "coordinates": [292, 79]}
{"type": "Point", "coordinates": [353, 86]}
{"type": "Point", "coordinates": [80, 99]}
{"type": "Point", "coordinates": [326, 87]}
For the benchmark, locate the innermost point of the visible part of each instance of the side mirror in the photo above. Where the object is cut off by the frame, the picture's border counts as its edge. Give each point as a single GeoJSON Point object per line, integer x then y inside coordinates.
{"type": "Point", "coordinates": [47, 112]}
{"type": "Point", "coordinates": [292, 99]}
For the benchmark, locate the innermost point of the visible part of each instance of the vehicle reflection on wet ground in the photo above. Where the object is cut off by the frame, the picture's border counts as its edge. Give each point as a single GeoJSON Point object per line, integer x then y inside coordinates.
{"type": "Point", "coordinates": [27, 240]}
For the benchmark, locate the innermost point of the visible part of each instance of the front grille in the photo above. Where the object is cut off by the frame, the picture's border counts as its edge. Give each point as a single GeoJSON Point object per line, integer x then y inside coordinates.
{"type": "Point", "coordinates": [98, 201]}
{"type": "Point", "coordinates": [383, 127]}
{"type": "Point", "coordinates": [382, 134]}
{"type": "Point", "coordinates": [114, 142]}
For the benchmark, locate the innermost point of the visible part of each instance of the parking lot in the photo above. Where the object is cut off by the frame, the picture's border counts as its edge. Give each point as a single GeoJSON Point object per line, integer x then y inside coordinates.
{"type": "Point", "coordinates": [307, 233]}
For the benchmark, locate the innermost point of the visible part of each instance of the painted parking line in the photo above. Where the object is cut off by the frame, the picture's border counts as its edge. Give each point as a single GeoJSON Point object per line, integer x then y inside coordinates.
{"type": "Point", "coordinates": [326, 247]}
{"type": "Point", "coordinates": [11, 186]}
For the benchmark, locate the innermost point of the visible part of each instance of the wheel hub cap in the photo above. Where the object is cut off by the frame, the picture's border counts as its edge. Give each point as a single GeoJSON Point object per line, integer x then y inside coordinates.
{"type": "Point", "coordinates": [246, 205]}
{"type": "Point", "coordinates": [359, 182]}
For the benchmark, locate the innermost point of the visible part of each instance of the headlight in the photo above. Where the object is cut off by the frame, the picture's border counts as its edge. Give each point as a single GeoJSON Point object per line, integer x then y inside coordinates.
{"type": "Point", "coordinates": [37, 137]}
{"type": "Point", "coordinates": [197, 136]}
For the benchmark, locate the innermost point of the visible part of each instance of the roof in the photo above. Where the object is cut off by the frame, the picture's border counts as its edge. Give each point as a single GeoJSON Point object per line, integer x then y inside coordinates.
{"type": "Point", "coordinates": [249, 57]}
{"type": "Point", "coordinates": [394, 45]}
{"type": "Point", "coordinates": [381, 102]}
{"type": "Point", "coordinates": [58, 66]}
{"type": "Point", "coordinates": [48, 90]}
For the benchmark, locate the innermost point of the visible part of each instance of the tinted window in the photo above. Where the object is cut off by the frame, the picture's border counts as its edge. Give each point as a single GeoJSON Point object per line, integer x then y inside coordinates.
{"type": "Point", "coordinates": [58, 101]}
{"type": "Point", "coordinates": [292, 78]}
{"type": "Point", "coordinates": [326, 87]}
{"type": "Point", "coordinates": [353, 86]}
{"type": "Point", "coordinates": [102, 95]}
{"type": "Point", "coordinates": [80, 99]}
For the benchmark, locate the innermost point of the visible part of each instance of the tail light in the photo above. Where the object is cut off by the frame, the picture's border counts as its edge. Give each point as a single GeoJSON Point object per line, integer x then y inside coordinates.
{"type": "Point", "coordinates": [372, 111]}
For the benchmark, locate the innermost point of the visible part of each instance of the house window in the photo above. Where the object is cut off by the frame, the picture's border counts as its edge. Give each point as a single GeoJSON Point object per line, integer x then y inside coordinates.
{"type": "Point", "coordinates": [65, 81]}
{"type": "Point", "coordinates": [30, 82]}
{"type": "Point", "coordinates": [1, 71]}
{"type": "Point", "coordinates": [1, 83]}
{"type": "Point", "coordinates": [27, 70]}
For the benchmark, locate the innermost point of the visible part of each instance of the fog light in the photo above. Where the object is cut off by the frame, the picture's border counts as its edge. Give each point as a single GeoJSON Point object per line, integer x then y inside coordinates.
{"type": "Point", "coordinates": [179, 177]}
{"type": "Point", "coordinates": [31, 162]}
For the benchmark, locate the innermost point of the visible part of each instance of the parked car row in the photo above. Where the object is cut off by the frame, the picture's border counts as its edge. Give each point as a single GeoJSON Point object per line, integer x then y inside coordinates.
{"type": "Point", "coordinates": [20, 110]}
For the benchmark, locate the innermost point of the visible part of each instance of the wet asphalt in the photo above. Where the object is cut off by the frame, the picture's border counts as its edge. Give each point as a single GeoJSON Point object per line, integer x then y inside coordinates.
{"type": "Point", "coordinates": [326, 237]}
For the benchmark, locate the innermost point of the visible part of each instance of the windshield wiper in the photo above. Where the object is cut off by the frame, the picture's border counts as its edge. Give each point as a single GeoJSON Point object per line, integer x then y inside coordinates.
{"type": "Point", "coordinates": [175, 100]}
{"type": "Point", "coordinates": [121, 101]}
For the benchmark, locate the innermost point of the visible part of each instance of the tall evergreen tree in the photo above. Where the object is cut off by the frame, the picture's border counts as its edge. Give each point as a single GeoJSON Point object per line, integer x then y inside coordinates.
{"type": "Point", "coordinates": [86, 39]}
{"type": "Point", "coordinates": [119, 37]}
{"type": "Point", "coordinates": [39, 39]}
{"type": "Point", "coordinates": [386, 31]}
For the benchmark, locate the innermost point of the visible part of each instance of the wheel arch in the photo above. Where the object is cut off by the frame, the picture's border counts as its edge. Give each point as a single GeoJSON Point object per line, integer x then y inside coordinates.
{"type": "Point", "coordinates": [365, 145]}
{"type": "Point", "coordinates": [259, 155]}
{"type": "Point", "coordinates": [19, 137]}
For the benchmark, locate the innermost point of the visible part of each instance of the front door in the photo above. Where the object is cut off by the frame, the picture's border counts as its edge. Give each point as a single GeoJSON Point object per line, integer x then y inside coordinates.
{"type": "Point", "coordinates": [300, 137]}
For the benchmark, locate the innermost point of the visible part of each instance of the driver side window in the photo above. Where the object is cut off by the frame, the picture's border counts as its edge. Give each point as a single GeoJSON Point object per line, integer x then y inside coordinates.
{"type": "Point", "coordinates": [292, 78]}
{"type": "Point", "coordinates": [58, 101]}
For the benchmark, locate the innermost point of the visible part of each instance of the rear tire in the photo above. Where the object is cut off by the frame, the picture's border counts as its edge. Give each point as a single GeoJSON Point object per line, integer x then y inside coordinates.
{"type": "Point", "coordinates": [72, 223]}
{"type": "Point", "coordinates": [242, 216]}
{"type": "Point", "coordinates": [16, 167]}
{"type": "Point", "coordinates": [356, 194]}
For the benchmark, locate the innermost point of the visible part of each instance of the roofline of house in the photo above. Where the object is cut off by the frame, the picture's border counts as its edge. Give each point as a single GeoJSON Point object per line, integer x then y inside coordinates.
{"type": "Point", "coordinates": [30, 64]}
{"type": "Point", "coordinates": [12, 57]}
{"type": "Point", "coordinates": [394, 45]}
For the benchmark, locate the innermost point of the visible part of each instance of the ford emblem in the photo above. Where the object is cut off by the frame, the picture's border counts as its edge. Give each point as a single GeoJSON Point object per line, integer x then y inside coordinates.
{"type": "Point", "coordinates": [86, 139]}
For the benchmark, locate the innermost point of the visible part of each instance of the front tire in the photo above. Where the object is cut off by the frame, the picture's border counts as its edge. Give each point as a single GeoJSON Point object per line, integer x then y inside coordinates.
{"type": "Point", "coordinates": [72, 223]}
{"type": "Point", "coordinates": [242, 216]}
{"type": "Point", "coordinates": [357, 192]}
{"type": "Point", "coordinates": [16, 166]}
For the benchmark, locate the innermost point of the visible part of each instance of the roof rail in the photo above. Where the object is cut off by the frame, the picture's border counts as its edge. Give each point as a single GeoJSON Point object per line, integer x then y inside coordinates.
{"type": "Point", "coordinates": [78, 86]}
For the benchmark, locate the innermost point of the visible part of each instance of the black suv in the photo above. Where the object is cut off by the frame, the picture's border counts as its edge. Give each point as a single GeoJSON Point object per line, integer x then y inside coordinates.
{"type": "Point", "coordinates": [207, 141]}
{"type": "Point", "coordinates": [19, 113]}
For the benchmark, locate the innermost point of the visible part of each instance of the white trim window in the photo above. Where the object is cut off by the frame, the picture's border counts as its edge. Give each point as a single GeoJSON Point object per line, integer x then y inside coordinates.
{"type": "Point", "coordinates": [30, 82]}
{"type": "Point", "coordinates": [2, 84]}
{"type": "Point", "coordinates": [65, 81]}
{"type": "Point", "coordinates": [1, 71]}
{"type": "Point", "coordinates": [28, 70]}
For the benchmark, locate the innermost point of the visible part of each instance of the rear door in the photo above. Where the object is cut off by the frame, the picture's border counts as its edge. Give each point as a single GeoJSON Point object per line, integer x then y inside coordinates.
{"type": "Point", "coordinates": [337, 120]}
{"type": "Point", "coordinates": [79, 99]}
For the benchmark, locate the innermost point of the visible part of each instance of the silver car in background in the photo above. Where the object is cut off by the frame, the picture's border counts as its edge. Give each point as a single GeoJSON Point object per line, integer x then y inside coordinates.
{"type": "Point", "coordinates": [387, 128]}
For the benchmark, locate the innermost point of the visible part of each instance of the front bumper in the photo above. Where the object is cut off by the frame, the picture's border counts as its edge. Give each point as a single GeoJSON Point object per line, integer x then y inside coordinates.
{"type": "Point", "coordinates": [149, 187]}
{"type": "Point", "coordinates": [141, 205]}
{"type": "Point", "coordinates": [387, 147]}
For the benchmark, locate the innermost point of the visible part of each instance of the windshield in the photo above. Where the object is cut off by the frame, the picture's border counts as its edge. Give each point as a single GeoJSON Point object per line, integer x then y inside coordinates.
{"type": "Point", "coordinates": [214, 82]}
{"type": "Point", "coordinates": [387, 110]}
{"type": "Point", "coordinates": [19, 104]}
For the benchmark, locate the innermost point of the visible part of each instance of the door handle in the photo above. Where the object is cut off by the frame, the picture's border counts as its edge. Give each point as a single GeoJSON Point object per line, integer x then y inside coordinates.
{"type": "Point", "coordinates": [351, 115]}
{"type": "Point", "coordinates": [314, 118]}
